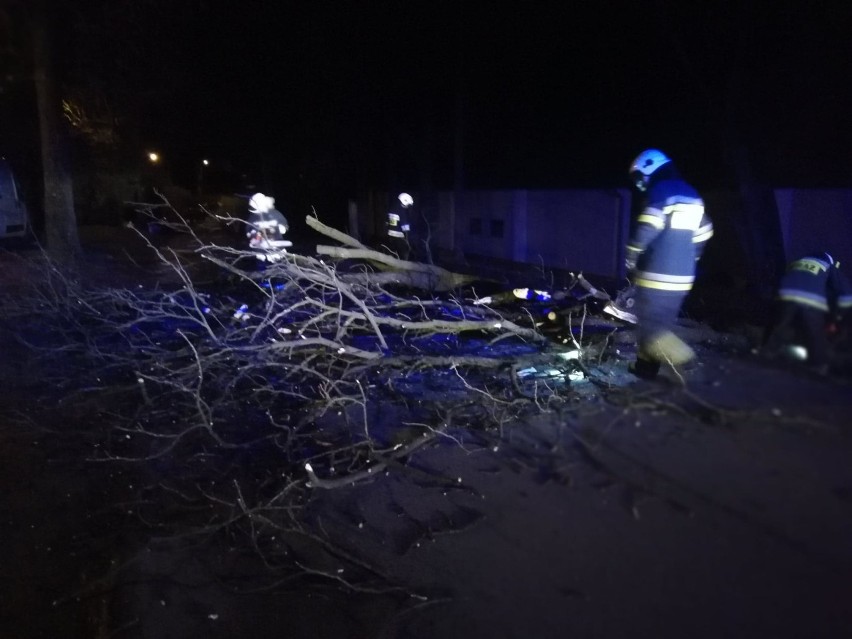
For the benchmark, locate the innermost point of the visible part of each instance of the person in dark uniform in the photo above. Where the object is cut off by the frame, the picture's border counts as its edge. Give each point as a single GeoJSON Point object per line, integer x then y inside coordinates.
{"type": "Point", "coordinates": [812, 292]}
{"type": "Point", "coordinates": [397, 227]}
{"type": "Point", "coordinates": [266, 229]}
{"type": "Point", "coordinates": [667, 240]}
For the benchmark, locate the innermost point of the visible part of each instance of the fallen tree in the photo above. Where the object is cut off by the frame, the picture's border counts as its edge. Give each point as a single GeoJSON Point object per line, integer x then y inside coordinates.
{"type": "Point", "coordinates": [394, 271]}
{"type": "Point", "coordinates": [233, 402]}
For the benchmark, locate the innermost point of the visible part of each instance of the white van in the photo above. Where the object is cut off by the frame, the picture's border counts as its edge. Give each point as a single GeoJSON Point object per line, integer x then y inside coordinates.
{"type": "Point", "coordinates": [14, 217]}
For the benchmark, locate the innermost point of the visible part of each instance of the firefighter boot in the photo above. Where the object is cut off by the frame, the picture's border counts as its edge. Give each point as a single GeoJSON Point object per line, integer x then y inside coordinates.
{"type": "Point", "coordinates": [644, 368]}
{"type": "Point", "coordinates": [668, 347]}
{"type": "Point", "coordinates": [623, 306]}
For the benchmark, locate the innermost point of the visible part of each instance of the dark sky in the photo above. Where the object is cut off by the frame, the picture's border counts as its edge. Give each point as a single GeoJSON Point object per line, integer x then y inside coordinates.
{"type": "Point", "coordinates": [352, 94]}
{"type": "Point", "coordinates": [552, 93]}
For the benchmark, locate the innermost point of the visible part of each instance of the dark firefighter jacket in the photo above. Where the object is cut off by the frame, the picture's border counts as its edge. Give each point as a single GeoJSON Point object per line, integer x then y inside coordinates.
{"type": "Point", "coordinates": [396, 223]}
{"type": "Point", "coordinates": [267, 229]}
{"type": "Point", "coordinates": [669, 236]}
{"type": "Point", "coordinates": [816, 283]}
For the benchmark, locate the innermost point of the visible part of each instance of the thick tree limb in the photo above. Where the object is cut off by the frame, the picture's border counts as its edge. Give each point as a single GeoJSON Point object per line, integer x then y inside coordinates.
{"type": "Point", "coordinates": [333, 233]}
{"type": "Point", "coordinates": [406, 273]}
{"type": "Point", "coordinates": [414, 274]}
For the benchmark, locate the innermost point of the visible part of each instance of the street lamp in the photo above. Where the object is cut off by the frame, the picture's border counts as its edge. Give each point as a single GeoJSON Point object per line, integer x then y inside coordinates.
{"type": "Point", "coordinates": [201, 166]}
{"type": "Point", "coordinates": [153, 157]}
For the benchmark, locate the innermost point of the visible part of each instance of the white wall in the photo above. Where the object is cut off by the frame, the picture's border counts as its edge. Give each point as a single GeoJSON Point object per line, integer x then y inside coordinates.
{"type": "Point", "coordinates": [586, 230]}
{"type": "Point", "coordinates": [577, 230]}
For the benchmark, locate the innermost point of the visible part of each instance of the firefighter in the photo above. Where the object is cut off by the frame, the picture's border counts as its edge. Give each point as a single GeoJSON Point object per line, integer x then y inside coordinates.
{"type": "Point", "coordinates": [811, 294]}
{"type": "Point", "coordinates": [397, 227]}
{"type": "Point", "coordinates": [667, 239]}
{"type": "Point", "coordinates": [266, 229]}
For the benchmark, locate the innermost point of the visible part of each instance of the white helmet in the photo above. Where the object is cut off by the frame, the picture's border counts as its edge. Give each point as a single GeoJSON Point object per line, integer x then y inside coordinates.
{"type": "Point", "coordinates": [645, 164]}
{"type": "Point", "coordinates": [260, 203]}
{"type": "Point", "coordinates": [406, 200]}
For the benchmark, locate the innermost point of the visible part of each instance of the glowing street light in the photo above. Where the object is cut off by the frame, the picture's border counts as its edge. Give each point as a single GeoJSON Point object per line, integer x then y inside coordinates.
{"type": "Point", "coordinates": [205, 162]}
{"type": "Point", "coordinates": [153, 157]}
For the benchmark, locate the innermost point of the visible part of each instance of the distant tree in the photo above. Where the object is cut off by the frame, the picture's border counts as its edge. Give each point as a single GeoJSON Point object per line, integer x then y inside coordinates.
{"type": "Point", "coordinates": [116, 74]}
{"type": "Point", "coordinates": [133, 62]}
{"type": "Point", "coordinates": [719, 64]}
{"type": "Point", "coordinates": [30, 26]}
{"type": "Point", "coordinates": [62, 238]}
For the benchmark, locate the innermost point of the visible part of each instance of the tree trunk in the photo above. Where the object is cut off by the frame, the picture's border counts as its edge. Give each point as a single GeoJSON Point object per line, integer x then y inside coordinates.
{"type": "Point", "coordinates": [760, 228]}
{"type": "Point", "coordinates": [60, 220]}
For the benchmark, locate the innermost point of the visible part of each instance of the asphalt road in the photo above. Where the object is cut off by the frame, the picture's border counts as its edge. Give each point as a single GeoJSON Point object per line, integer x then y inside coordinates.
{"type": "Point", "coordinates": [722, 507]}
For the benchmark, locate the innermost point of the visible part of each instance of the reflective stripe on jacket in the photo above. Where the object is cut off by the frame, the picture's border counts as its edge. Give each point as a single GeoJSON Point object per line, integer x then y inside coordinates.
{"type": "Point", "coordinates": [396, 225]}
{"type": "Point", "coordinates": [271, 224]}
{"type": "Point", "coordinates": [669, 237]}
{"type": "Point", "coordinates": [816, 283]}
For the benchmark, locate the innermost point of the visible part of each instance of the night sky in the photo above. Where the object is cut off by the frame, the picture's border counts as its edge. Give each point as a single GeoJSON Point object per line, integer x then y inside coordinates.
{"type": "Point", "coordinates": [352, 95]}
